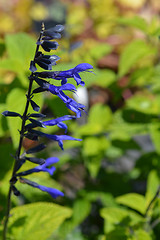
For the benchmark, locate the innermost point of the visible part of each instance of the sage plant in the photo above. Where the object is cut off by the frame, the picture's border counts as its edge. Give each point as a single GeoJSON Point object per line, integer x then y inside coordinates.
{"type": "Point", "coordinates": [37, 120]}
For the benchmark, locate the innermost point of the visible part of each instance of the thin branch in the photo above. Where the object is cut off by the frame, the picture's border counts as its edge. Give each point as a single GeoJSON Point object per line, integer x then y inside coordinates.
{"type": "Point", "coordinates": [151, 202]}
{"type": "Point", "coordinates": [155, 223]}
{"type": "Point", "coordinates": [17, 155]}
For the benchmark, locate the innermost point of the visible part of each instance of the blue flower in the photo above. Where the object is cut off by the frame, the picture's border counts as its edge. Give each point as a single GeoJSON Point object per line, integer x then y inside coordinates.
{"type": "Point", "coordinates": [58, 90]}
{"type": "Point", "coordinates": [48, 45]}
{"type": "Point", "coordinates": [72, 104]}
{"type": "Point", "coordinates": [58, 138]}
{"type": "Point", "coordinates": [46, 167]}
{"type": "Point", "coordinates": [52, 191]}
{"type": "Point", "coordinates": [58, 122]}
{"type": "Point", "coordinates": [53, 33]}
{"type": "Point", "coordinates": [44, 61]}
{"type": "Point", "coordinates": [42, 168]}
{"type": "Point", "coordinates": [63, 75]}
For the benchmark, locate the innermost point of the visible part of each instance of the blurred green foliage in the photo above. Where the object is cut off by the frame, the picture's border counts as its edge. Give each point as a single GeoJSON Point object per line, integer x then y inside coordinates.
{"type": "Point", "coordinates": [110, 179]}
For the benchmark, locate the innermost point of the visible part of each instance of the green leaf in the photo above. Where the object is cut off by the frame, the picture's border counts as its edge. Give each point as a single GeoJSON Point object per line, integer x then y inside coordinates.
{"type": "Point", "coordinates": [135, 21]}
{"type": "Point", "coordinates": [2, 47]}
{"type": "Point", "coordinates": [100, 50]}
{"type": "Point", "coordinates": [81, 210]}
{"type": "Point", "coordinates": [2, 120]}
{"type": "Point", "coordinates": [132, 53]}
{"type": "Point", "coordinates": [144, 103]}
{"type": "Point", "coordinates": [16, 101]}
{"type": "Point", "coordinates": [102, 237]}
{"type": "Point", "coordinates": [122, 233]}
{"type": "Point", "coordinates": [140, 234]}
{"type": "Point", "coordinates": [142, 76]}
{"type": "Point", "coordinates": [152, 186]}
{"type": "Point", "coordinates": [119, 233]}
{"type": "Point", "coordinates": [134, 201]}
{"type": "Point", "coordinates": [93, 164]}
{"type": "Point", "coordinates": [14, 65]}
{"type": "Point", "coordinates": [20, 49]}
{"type": "Point", "coordinates": [57, 106]}
{"type": "Point", "coordinates": [93, 149]}
{"type": "Point", "coordinates": [93, 146]}
{"type": "Point", "coordinates": [100, 115]}
{"type": "Point", "coordinates": [115, 216]}
{"type": "Point", "coordinates": [76, 234]}
{"type": "Point", "coordinates": [155, 135]}
{"type": "Point", "coordinates": [104, 77]}
{"type": "Point", "coordinates": [6, 160]}
{"type": "Point", "coordinates": [89, 129]}
{"type": "Point", "coordinates": [20, 46]}
{"type": "Point", "coordinates": [106, 198]}
{"type": "Point", "coordinates": [153, 28]}
{"type": "Point", "coordinates": [114, 152]}
{"type": "Point", "coordinates": [36, 220]}
{"type": "Point", "coordinates": [123, 130]}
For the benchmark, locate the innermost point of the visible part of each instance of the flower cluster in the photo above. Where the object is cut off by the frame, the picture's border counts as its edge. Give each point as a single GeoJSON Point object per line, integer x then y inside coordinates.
{"type": "Point", "coordinates": [46, 62]}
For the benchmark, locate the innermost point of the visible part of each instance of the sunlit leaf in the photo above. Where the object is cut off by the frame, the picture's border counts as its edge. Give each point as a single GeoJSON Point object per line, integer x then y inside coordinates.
{"type": "Point", "coordinates": [134, 201]}
{"type": "Point", "coordinates": [153, 183]}
{"type": "Point", "coordinates": [36, 220]}
{"type": "Point", "coordinates": [155, 135]}
{"type": "Point", "coordinates": [135, 21]}
{"type": "Point", "coordinates": [16, 101]}
{"type": "Point", "coordinates": [101, 115]}
{"type": "Point", "coordinates": [81, 209]}
{"type": "Point", "coordinates": [132, 53]}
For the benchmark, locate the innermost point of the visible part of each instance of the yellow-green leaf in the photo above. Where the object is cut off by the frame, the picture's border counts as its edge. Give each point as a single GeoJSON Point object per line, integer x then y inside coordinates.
{"type": "Point", "coordinates": [152, 186]}
{"type": "Point", "coordinates": [132, 53]}
{"type": "Point", "coordinates": [37, 220]}
{"type": "Point", "coordinates": [16, 101]}
{"type": "Point", "coordinates": [133, 200]}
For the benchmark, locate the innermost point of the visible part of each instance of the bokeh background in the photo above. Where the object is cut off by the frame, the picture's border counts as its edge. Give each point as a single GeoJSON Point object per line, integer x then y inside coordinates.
{"type": "Point", "coordinates": [112, 176]}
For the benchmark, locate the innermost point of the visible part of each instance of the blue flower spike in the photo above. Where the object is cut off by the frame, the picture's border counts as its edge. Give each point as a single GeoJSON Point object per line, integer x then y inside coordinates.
{"type": "Point", "coordinates": [45, 43]}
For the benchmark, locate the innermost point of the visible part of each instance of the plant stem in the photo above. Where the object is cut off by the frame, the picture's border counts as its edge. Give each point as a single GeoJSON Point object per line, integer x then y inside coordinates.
{"type": "Point", "coordinates": [17, 155]}
{"type": "Point", "coordinates": [153, 199]}
{"type": "Point", "coordinates": [16, 159]}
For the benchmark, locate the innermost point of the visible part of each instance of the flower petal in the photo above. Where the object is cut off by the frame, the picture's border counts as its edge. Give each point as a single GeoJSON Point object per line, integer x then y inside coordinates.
{"type": "Point", "coordinates": [49, 45]}
{"type": "Point", "coordinates": [52, 191]}
{"type": "Point", "coordinates": [34, 106]}
{"type": "Point", "coordinates": [42, 167]}
{"type": "Point", "coordinates": [82, 67]}
{"type": "Point", "coordinates": [10, 114]}
{"type": "Point", "coordinates": [38, 148]}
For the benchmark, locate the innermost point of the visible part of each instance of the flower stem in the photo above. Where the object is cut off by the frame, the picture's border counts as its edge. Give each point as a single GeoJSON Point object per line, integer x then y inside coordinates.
{"type": "Point", "coordinates": [151, 202]}
{"type": "Point", "coordinates": [17, 155]}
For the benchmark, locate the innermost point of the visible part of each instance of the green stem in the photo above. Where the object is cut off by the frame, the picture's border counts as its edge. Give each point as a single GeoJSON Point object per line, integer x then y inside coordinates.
{"type": "Point", "coordinates": [16, 160]}
{"type": "Point", "coordinates": [17, 155]}
{"type": "Point", "coordinates": [152, 201]}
